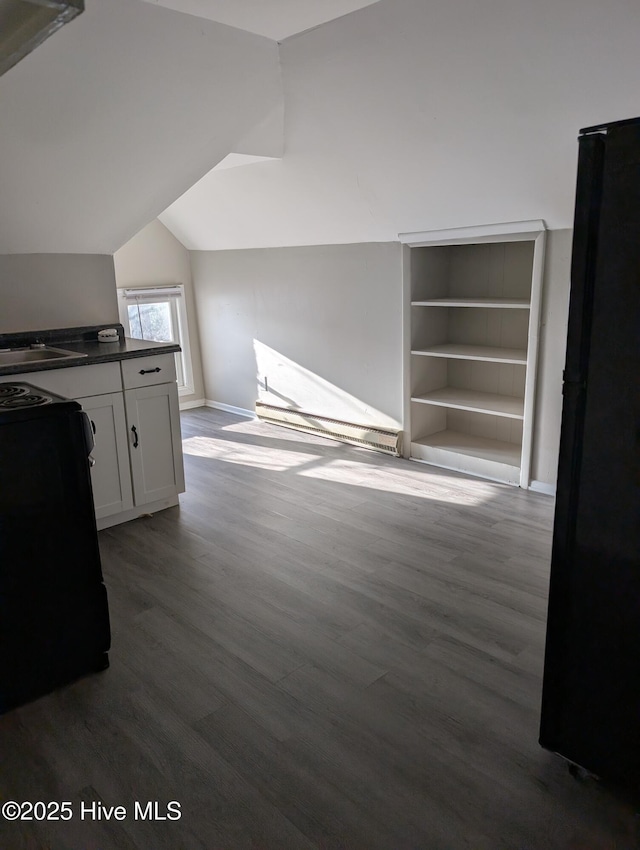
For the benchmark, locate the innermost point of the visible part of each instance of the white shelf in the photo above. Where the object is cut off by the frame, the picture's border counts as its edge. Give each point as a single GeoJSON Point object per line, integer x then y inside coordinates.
{"type": "Point", "coordinates": [467, 453]}
{"type": "Point", "coordinates": [501, 303]}
{"type": "Point", "coordinates": [486, 353]}
{"type": "Point", "coordinates": [468, 444]}
{"type": "Point", "coordinates": [472, 400]}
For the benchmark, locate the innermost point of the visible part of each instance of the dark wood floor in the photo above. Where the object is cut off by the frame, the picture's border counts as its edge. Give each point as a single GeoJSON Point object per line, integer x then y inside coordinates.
{"type": "Point", "coordinates": [322, 647]}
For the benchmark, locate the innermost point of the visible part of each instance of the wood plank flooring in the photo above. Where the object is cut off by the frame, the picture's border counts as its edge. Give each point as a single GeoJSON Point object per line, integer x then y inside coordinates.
{"type": "Point", "coordinates": [322, 648]}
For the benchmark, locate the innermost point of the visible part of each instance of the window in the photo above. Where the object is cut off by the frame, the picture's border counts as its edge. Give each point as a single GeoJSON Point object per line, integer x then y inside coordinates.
{"type": "Point", "coordinates": [159, 314]}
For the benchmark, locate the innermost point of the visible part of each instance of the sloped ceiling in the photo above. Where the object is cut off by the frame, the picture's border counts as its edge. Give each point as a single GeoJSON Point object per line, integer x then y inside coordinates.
{"type": "Point", "coordinates": [276, 19]}
{"type": "Point", "coordinates": [408, 115]}
{"type": "Point", "coordinates": [404, 115]}
{"type": "Point", "coordinates": [116, 115]}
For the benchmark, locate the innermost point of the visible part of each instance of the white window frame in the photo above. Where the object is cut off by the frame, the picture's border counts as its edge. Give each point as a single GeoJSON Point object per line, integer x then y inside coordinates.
{"type": "Point", "coordinates": [174, 296]}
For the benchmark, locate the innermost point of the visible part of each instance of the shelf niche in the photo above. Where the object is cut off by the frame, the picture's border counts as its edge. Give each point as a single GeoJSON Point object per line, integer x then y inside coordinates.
{"type": "Point", "coordinates": [472, 308]}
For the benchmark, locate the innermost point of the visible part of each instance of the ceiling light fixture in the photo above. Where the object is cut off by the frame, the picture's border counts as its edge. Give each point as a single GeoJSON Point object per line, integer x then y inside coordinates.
{"type": "Point", "coordinates": [24, 24]}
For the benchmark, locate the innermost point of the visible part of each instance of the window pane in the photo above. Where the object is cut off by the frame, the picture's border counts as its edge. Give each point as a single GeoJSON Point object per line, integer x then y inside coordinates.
{"type": "Point", "coordinates": [151, 320]}
{"type": "Point", "coordinates": [135, 328]}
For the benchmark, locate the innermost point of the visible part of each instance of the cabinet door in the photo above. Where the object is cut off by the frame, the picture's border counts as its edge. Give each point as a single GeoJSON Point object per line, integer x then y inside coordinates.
{"type": "Point", "coordinates": [110, 476]}
{"type": "Point", "coordinates": [153, 422]}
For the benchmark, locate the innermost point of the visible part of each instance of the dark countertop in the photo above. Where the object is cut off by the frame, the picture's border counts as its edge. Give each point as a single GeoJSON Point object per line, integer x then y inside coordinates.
{"type": "Point", "coordinates": [83, 341]}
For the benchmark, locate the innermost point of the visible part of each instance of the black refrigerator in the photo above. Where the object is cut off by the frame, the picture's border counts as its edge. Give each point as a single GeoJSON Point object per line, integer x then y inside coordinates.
{"type": "Point", "coordinates": [591, 690]}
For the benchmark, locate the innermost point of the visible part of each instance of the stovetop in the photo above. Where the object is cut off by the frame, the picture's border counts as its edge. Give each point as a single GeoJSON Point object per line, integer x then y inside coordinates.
{"type": "Point", "coordinates": [20, 401]}
{"type": "Point", "coordinates": [16, 396]}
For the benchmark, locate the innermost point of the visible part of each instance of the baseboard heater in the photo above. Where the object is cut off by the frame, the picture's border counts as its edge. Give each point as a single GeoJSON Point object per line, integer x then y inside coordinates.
{"type": "Point", "coordinates": [378, 439]}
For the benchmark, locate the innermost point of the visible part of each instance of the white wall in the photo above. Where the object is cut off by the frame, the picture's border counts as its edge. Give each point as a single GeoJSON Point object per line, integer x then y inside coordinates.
{"type": "Point", "coordinates": [322, 324]}
{"type": "Point", "coordinates": [155, 257]}
{"type": "Point", "coordinates": [409, 115]}
{"type": "Point", "coordinates": [39, 291]}
{"type": "Point", "coordinates": [115, 115]}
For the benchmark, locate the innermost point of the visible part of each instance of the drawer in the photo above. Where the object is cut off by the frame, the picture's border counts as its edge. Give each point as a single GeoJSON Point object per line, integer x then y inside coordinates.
{"type": "Point", "coordinates": [74, 381]}
{"type": "Point", "coordinates": [145, 371]}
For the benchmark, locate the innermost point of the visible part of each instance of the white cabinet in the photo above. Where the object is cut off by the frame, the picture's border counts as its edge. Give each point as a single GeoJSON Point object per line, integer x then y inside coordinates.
{"type": "Point", "coordinates": [153, 422]}
{"type": "Point", "coordinates": [75, 381]}
{"type": "Point", "coordinates": [145, 371]}
{"type": "Point", "coordinates": [133, 406]}
{"type": "Point", "coordinates": [153, 426]}
{"type": "Point", "coordinates": [110, 476]}
{"type": "Point", "coordinates": [471, 330]}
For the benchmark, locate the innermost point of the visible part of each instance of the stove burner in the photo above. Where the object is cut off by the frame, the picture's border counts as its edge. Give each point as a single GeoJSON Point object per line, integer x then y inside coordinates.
{"type": "Point", "coordinates": [23, 400]}
{"type": "Point", "coordinates": [10, 391]}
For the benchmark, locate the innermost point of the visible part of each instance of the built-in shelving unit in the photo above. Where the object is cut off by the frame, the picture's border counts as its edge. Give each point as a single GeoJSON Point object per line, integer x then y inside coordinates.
{"type": "Point", "coordinates": [471, 327]}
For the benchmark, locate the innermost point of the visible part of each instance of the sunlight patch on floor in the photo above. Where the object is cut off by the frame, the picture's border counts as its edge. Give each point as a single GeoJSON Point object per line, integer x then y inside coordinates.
{"type": "Point", "coordinates": [441, 488]}
{"type": "Point", "coordinates": [260, 456]}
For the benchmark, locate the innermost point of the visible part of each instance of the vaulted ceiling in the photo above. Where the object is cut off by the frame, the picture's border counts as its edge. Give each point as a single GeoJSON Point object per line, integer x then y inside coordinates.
{"type": "Point", "coordinates": [276, 19]}
{"type": "Point", "coordinates": [401, 115]}
{"type": "Point", "coordinates": [413, 115]}
{"type": "Point", "coordinates": [120, 112]}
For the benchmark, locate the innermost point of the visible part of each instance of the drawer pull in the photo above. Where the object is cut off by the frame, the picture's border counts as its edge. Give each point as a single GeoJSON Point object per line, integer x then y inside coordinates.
{"type": "Point", "coordinates": [149, 371]}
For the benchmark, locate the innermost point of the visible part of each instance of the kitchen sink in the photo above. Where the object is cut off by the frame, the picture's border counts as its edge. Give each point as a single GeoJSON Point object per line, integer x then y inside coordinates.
{"type": "Point", "coordinates": [26, 356]}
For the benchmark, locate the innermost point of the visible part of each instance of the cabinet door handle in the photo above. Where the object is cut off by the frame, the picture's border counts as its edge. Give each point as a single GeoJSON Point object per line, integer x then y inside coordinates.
{"type": "Point", "coordinates": [136, 441]}
{"type": "Point", "coordinates": [149, 371]}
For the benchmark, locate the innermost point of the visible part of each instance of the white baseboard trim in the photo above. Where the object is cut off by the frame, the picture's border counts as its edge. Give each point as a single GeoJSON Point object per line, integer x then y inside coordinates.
{"type": "Point", "coordinates": [543, 487]}
{"type": "Point", "coordinates": [229, 408]}
{"type": "Point", "coordinates": [187, 405]}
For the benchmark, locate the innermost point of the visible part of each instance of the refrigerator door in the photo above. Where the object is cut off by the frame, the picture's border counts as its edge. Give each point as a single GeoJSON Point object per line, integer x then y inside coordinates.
{"type": "Point", "coordinates": [591, 696]}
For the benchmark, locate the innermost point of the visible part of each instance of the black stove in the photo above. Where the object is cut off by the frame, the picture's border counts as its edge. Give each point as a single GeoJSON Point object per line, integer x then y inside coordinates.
{"type": "Point", "coordinates": [54, 619]}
